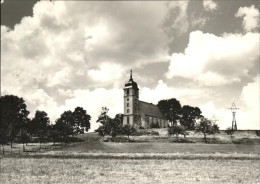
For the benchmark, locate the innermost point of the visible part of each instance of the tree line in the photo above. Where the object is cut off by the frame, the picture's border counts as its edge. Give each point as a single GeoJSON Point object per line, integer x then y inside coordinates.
{"type": "Point", "coordinates": [17, 126]}
{"type": "Point", "coordinates": [185, 118]}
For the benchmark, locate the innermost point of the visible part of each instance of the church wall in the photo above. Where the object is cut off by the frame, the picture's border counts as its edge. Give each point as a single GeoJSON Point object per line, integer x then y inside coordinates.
{"type": "Point", "coordinates": [147, 121]}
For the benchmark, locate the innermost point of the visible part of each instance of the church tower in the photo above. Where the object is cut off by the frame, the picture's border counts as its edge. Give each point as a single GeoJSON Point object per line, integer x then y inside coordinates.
{"type": "Point", "coordinates": [131, 103]}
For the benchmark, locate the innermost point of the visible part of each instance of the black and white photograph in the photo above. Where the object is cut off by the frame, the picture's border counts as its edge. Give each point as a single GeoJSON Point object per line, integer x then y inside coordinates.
{"type": "Point", "coordinates": [130, 92]}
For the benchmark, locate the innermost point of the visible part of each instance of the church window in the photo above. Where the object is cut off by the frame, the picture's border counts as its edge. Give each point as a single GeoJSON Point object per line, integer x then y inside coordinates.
{"type": "Point", "coordinates": [127, 110]}
{"type": "Point", "coordinates": [127, 92]}
{"type": "Point", "coordinates": [127, 104]}
{"type": "Point", "coordinates": [127, 120]}
{"type": "Point", "coordinates": [127, 99]}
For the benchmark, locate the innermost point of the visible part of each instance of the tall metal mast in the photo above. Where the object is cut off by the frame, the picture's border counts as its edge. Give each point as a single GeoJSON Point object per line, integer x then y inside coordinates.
{"type": "Point", "coordinates": [233, 110]}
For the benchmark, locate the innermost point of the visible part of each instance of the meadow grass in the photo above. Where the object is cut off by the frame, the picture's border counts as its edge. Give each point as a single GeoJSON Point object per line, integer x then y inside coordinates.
{"type": "Point", "coordinates": [157, 160]}
{"type": "Point", "coordinates": [50, 170]}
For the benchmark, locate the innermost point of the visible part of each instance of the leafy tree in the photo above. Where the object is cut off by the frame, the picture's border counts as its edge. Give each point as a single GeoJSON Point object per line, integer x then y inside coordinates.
{"type": "Point", "coordinates": [205, 126]}
{"type": "Point", "coordinates": [13, 116]}
{"type": "Point", "coordinates": [189, 116]}
{"type": "Point", "coordinates": [3, 135]}
{"type": "Point", "coordinates": [64, 125]}
{"type": "Point", "coordinates": [103, 118]}
{"type": "Point", "coordinates": [230, 131]}
{"type": "Point", "coordinates": [81, 121]}
{"type": "Point", "coordinates": [177, 130]}
{"type": "Point", "coordinates": [128, 130]}
{"type": "Point", "coordinates": [110, 126]}
{"type": "Point", "coordinates": [24, 137]}
{"type": "Point", "coordinates": [171, 109]}
{"type": "Point", "coordinates": [40, 122]}
{"type": "Point", "coordinates": [53, 133]}
{"type": "Point", "coordinates": [116, 126]}
{"type": "Point", "coordinates": [214, 129]}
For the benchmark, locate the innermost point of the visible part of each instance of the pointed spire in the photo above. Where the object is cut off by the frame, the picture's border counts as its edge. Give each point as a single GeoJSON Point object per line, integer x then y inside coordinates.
{"type": "Point", "coordinates": [131, 75]}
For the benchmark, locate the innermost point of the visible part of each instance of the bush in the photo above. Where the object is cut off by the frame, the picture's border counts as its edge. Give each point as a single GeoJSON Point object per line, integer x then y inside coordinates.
{"type": "Point", "coordinates": [257, 132]}
{"type": "Point", "coordinates": [146, 132]}
{"type": "Point", "coordinates": [177, 130]}
{"type": "Point", "coordinates": [117, 139]}
{"type": "Point", "coordinates": [153, 133]}
{"type": "Point", "coordinates": [155, 125]}
{"type": "Point", "coordinates": [128, 130]}
{"type": "Point", "coordinates": [140, 127]}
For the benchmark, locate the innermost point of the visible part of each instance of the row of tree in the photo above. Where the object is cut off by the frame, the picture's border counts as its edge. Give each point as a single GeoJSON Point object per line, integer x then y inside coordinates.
{"type": "Point", "coordinates": [204, 126]}
{"type": "Point", "coordinates": [16, 125]}
{"type": "Point", "coordinates": [186, 115]}
{"type": "Point", "coordinates": [184, 118]}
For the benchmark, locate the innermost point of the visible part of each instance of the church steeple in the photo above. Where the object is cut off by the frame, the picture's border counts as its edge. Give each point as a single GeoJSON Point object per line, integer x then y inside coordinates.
{"type": "Point", "coordinates": [131, 75]}
{"type": "Point", "coordinates": [131, 82]}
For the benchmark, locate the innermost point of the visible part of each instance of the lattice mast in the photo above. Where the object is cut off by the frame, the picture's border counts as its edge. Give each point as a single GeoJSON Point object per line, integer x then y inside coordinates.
{"type": "Point", "coordinates": [233, 110]}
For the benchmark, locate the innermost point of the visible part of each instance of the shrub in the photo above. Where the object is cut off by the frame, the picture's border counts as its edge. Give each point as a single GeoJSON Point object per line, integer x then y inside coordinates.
{"type": "Point", "coordinates": [177, 130]}
{"type": "Point", "coordinates": [128, 130]}
{"type": "Point", "coordinates": [155, 125]}
{"type": "Point", "coordinates": [257, 132]}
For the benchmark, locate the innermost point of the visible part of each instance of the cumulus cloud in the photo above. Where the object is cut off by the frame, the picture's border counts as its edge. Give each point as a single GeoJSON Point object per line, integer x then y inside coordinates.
{"type": "Point", "coordinates": [106, 72]}
{"type": "Point", "coordinates": [213, 60]}
{"type": "Point", "coordinates": [58, 49]}
{"type": "Point", "coordinates": [250, 109]}
{"type": "Point", "coordinates": [163, 91]}
{"type": "Point", "coordinates": [250, 17]}
{"type": "Point", "coordinates": [72, 54]}
{"type": "Point", "coordinates": [68, 46]}
{"type": "Point", "coordinates": [247, 116]}
{"type": "Point", "coordinates": [210, 5]}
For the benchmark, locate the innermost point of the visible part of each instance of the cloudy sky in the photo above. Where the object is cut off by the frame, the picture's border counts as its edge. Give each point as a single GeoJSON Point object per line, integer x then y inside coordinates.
{"type": "Point", "coordinates": [61, 54]}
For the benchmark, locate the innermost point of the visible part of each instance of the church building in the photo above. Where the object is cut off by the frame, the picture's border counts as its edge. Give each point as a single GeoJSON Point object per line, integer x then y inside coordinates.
{"type": "Point", "coordinates": [138, 113]}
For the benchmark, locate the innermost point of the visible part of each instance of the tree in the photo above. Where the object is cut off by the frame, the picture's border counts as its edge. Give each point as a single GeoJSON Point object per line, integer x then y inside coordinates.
{"type": "Point", "coordinates": [109, 126]}
{"type": "Point", "coordinates": [205, 126]}
{"type": "Point", "coordinates": [24, 137]}
{"type": "Point", "coordinates": [64, 125]}
{"type": "Point", "coordinates": [230, 131]}
{"type": "Point", "coordinates": [40, 122]}
{"type": "Point", "coordinates": [81, 121]}
{"type": "Point", "coordinates": [128, 130]}
{"type": "Point", "coordinates": [116, 126]}
{"type": "Point", "coordinates": [177, 130]}
{"type": "Point", "coordinates": [103, 118]}
{"type": "Point", "coordinates": [13, 115]}
{"type": "Point", "coordinates": [53, 133]}
{"type": "Point", "coordinates": [171, 109]}
{"type": "Point", "coordinates": [214, 129]}
{"type": "Point", "coordinates": [3, 135]}
{"type": "Point", "coordinates": [189, 116]}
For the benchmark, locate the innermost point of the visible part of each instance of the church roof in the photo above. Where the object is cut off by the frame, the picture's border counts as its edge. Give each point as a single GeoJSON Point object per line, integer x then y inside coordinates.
{"type": "Point", "coordinates": [150, 110]}
{"type": "Point", "coordinates": [131, 83]}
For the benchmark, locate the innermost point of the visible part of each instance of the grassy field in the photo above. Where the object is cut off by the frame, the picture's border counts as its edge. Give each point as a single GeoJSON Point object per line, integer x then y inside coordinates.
{"type": "Point", "coordinates": [149, 159]}
{"type": "Point", "coordinates": [30, 170]}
